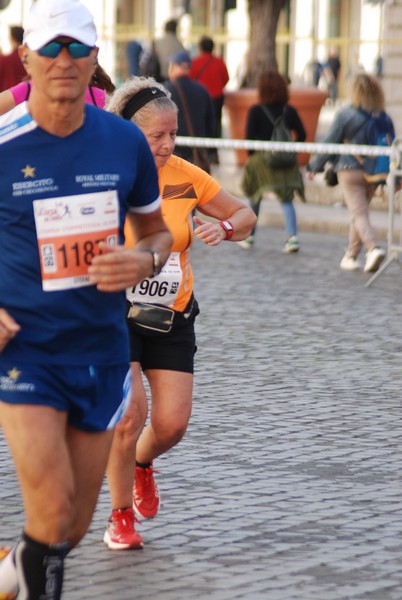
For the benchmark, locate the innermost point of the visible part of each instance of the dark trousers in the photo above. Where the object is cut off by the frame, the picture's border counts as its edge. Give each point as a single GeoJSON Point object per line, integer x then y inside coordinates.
{"type": "Point", "coordinates": [218, 105]}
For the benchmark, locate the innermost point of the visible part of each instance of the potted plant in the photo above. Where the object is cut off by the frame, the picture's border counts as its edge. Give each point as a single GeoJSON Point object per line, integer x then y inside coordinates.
{"type": "Point", "coordinates": [264, 16]}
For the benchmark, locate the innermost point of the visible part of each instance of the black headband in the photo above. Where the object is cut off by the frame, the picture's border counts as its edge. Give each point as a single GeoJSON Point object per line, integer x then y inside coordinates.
{"type": "Point", "coordinates": [140, 99]}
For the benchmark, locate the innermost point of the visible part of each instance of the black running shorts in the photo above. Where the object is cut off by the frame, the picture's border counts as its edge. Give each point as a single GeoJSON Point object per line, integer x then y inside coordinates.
{"type": "Point", "coordinates": [173, 351]}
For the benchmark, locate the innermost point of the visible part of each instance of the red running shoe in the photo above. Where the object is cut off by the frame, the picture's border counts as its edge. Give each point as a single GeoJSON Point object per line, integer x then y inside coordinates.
{"type": "Point", "coordinates": [4, 596]}
{"type": "Point", "coordinates": [146, 498]}
{"type": "Point", "coordinates": [120, 532]}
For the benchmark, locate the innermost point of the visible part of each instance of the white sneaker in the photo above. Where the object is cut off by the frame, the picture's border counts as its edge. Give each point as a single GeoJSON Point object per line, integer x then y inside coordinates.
{"type": "Point", "coordinates": [374, 258]}
{"type": "Point", "coordinates": [349, 263]}
{"type": "Point", "coordinates": [292, 245]}
{"type": "Point", "coordinates": [247, 244]}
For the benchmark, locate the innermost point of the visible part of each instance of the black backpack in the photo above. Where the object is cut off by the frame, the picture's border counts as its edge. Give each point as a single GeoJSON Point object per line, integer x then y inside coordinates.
{"type": "Point", "coordinates": [279, 159]}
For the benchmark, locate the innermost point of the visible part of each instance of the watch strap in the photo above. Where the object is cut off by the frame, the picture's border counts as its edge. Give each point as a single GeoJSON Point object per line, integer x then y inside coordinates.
{"type": "Point", "coordinates": [228, 228]}
{"type": "Point", "coordinates": [156, 261]}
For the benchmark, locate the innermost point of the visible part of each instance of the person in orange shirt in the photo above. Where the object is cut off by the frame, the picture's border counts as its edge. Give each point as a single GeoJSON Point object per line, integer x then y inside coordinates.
{"type": "Point", "coordinates": [211, 71]}
{"type": "Point", "coordinates": [162, 310]}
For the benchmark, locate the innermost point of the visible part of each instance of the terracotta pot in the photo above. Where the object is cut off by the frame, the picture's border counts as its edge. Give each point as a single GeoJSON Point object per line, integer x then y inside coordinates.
{"type": "Point", "coordinates": [307, 101]}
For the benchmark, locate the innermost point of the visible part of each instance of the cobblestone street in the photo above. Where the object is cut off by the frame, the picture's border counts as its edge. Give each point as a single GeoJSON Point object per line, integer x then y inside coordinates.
{"type": "Point", "coordinates": [288, 483]}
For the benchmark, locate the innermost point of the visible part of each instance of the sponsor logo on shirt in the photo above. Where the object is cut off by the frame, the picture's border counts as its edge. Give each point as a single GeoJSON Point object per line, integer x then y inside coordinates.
{"type": "Point", "coordinates": [94, 180]}
{"type": "Point", "coordinates": [12, 382]}
{"type": "Point", "coordinates": [31, 185]}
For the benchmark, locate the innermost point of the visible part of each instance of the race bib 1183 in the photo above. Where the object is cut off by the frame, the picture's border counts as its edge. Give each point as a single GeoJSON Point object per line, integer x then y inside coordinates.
{"type": "Point", "coordinates": [69, 230]}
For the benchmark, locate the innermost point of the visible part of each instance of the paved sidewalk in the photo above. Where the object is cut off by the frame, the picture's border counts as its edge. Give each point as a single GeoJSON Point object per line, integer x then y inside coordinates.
{"type": "Point", "coordinates": [288, 483]}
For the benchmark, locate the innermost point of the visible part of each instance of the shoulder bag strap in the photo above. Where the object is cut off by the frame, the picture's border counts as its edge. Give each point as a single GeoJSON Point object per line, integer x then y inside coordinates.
{"type": "Point", "coordinates": [185, 109]}
{"type": "Point", "coordinates": [202, 69]}
{"type": "Point", "coordinates": [200, 153]}
{"type": "Point", "coordinates": [267, 113]}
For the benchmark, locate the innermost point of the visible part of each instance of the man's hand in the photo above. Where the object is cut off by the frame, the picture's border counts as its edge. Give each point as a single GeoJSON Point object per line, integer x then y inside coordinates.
{"type": "Point", "coordinates": [118, 268]}
{"type": "Point", "coordinates": [8, 328]}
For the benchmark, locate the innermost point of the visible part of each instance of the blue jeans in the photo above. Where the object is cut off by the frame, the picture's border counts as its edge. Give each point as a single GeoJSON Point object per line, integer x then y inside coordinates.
{"type": "Point", "coordinates": [289, 215]}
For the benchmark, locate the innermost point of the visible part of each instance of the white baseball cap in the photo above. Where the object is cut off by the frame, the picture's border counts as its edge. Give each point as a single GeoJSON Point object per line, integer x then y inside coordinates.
{"type": "Point", "coordinates": [48, 19]}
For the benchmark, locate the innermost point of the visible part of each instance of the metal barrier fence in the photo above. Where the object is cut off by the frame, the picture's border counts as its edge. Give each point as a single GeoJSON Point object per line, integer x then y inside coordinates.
{"type": "Point", "coordinates": [394, 249]}
{"type": "Point", "coordinates": [309, 147]}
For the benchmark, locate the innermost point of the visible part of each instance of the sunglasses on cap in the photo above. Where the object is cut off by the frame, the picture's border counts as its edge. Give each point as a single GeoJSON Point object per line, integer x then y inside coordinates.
{"type": "Point", "coordinates": [75, 49]}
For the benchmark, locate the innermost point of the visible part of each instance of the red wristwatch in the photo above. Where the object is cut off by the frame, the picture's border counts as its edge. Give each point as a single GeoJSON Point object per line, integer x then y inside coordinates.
{"type": "Point", "coordinates": [228, 227]}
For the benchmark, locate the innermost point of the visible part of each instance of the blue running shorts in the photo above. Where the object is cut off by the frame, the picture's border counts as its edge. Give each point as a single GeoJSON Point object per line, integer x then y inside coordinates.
{"type": "Point", "coordinates": [94, 398]}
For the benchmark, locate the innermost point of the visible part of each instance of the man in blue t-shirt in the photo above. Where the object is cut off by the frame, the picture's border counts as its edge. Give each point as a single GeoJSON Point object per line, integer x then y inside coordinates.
{"type": "Point", "coordinates": [70, 174]}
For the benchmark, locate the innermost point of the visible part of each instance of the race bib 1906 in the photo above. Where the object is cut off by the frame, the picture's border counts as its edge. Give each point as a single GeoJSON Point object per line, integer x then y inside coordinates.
{"type": "Point", "coordinates": [69, 230]}
{"type": "Point", "coordinates": [163, 288]}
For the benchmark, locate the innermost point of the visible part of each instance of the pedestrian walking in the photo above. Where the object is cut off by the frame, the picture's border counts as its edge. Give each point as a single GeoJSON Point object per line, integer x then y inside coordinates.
{"type": "Point", "coordinates": [350, 126]}
{"type": "Point", "coordinates": [332, 71]}
{"type": "Point", "coordinates": [134, 50]}
{"type": "Point", "coordinates": [162, 311]}
{"type": "Point", "coordinates": [211, 71]}
{"type": "Point", "coordinates": [262, 171]}
{"type": "Point", "coordinates": [196, 112]}
{"type": "Point", "coordinates": [167, 45]}
{"type": "Point", "coordinates": [64, 348]}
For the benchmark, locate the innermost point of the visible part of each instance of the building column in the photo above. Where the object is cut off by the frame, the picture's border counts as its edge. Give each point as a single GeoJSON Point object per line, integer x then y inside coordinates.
{"type": "Point", "coordinates": [392, 55]}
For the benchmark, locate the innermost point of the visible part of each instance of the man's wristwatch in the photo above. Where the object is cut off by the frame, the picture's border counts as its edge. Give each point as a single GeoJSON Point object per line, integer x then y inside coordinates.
{"type": "Point", "coordinates": [228, 227]}
{"type": "Point", "coordinates": [156, 261]}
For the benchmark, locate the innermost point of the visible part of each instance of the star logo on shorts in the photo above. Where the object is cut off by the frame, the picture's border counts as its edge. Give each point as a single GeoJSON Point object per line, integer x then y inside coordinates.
{"type": "Point", "coordinates": [14, 374]}
{"type": "Point", "coordinates": [28, 171]}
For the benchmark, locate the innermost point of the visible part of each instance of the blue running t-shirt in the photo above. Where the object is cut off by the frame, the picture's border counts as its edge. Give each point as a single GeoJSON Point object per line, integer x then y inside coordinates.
{"type": "Point", "coordinates": [58, 198]}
